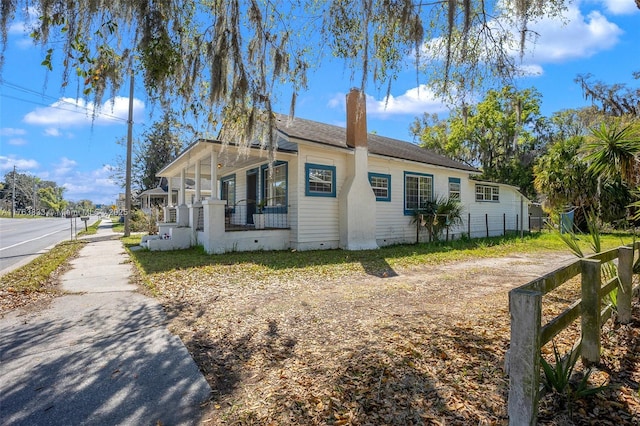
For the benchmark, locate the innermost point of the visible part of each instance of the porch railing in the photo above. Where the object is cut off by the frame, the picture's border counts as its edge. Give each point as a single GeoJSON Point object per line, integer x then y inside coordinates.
{"type": "Point", "coordinates": [200, 219]}
{"type": "Point", "coordinates": [172, 215]}
{"type": "Point", "coordinates": [245, 215]}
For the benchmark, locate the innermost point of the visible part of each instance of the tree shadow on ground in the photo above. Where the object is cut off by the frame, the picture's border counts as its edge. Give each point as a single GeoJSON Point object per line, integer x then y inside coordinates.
{"type": "Point", "coordinates": [399, 375]}
{"type": "Point", "coordinates": [111, 363]}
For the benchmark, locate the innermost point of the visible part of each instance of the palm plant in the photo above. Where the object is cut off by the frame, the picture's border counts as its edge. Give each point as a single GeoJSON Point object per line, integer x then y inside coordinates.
{"type": "Point", "coordinates": [448, 215]}
{"type": "Point", "coordinates": [423, 217]}
{"type": "Point", "coordinates": [609, 269]}
{"type": "Point", "coordinates": [437, 216]}
{"type": "Point", "coordinates": [613, 151]}
{"type": "Point", "coordinates": [612, 154]}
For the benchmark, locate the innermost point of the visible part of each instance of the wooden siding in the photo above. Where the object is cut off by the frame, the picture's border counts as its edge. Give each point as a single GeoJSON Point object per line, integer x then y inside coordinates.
{"type": "Point", "coordinates": [392, 225]}
{"type": "Point", "coordinates": [318, 217]}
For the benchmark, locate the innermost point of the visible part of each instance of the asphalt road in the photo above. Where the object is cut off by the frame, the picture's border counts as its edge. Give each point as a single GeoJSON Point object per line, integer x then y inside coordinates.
{"type": "Point", "coordinates": [21, 240]}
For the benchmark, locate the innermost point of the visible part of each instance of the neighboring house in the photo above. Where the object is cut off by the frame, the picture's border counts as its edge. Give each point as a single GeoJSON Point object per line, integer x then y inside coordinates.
{"type": "Point", "coordinates": [153, 198]}
{"type": "Point", "coordinates": [329, 187]}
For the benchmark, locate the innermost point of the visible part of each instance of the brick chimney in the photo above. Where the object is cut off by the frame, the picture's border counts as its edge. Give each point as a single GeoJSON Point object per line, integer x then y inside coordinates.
{"type": "Point", "coordinates": [356, 119]}
{"type": "Point", "coordinates": [357, 202]}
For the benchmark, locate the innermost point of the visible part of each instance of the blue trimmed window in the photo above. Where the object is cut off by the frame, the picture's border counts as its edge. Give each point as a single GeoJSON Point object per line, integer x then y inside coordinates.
{"type": "Point", "coordinates": [454, 189]}
{"type": "Point", "coordinates": [320, 180]}
{"type": "Point", "coordinates": [381, 186]}
{"type": "Point", "coordinates": [228, 190]}
{"type": "Point", "coordinates": [418, 191]}
{"type": "Point", "coordinates": [274, 187]}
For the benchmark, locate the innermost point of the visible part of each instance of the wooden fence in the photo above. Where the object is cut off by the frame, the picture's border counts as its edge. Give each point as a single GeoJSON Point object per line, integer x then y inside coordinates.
{"type": "Point", "coordinates": [528, 335]}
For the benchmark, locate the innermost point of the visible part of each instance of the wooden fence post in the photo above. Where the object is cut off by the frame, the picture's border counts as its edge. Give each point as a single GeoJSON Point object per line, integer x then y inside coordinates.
{"type": "Point", "coordinates": [504, 224]}
{"type": "Point", "coordinates": [486, 223]}
{"type": "Point", "coordinates": [525, 307]}
{"type": "Point", "coordinates": [625, 274]}
{"type": "Point", "coordinates": [591, 283]}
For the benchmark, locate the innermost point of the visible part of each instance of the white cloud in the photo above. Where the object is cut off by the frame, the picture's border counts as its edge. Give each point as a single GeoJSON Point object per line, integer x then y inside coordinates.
{"type": "Point", "coordinates": [52, 131]}
{"type": "Point", "coordinates": [10, 131]}
{"type": "Point", "coordinates": [17, 28]}
{"type": "Point", "coordinates": [578, 37]}
{"type": "Point", "coordinates": [572, 36]}
{"type": "Point", "coordinates": [620, 7]}
{"type": "Point", "coordinates": [25, 43]}
{"type": "Point", "coordinates": [17, 141]}
{"type": "Point", "coordinates": [64, 167]}
{"type": "Point", "coordinates": [531, 70]}
{"type": "Point", "coordinates": [69, 112]}
{"type": "Point", "coordinates": [413, 102]}
{"type": "Point", "coordinates": [22, 164]}
{"type": "Point", "coordinates": [95, 185]}
{"type": "Point", "coordinates": [24, 27]}
{"type": "Point", "coordinates": [337, 101]}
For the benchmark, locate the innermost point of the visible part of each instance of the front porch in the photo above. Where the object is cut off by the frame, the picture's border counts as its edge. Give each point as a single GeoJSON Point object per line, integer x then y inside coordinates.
{"type": "Point", "coordinates": [221, 228]}
{"type": "Point", "coordinates": [225, 200]}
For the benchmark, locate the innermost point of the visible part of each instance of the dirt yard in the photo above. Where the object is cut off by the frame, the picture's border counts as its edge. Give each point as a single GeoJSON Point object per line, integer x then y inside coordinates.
{"type": "Point", "coordinates": [418, 346]}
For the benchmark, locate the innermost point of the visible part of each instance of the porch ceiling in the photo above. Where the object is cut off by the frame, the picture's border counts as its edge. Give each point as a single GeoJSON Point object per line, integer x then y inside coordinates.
{"type": "Point", "coordinates": [230, 158]}
{"type": "Point", "coordinates": [228, 163]}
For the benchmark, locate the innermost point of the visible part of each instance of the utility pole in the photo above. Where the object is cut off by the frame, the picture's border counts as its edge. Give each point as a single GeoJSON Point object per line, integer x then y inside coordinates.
{"type": "Point", "coordinates": [13, 196]}
{"type": "Point", "coordinates": [35, 189]}
{"type": "Point", "coordinates": [127, 201]}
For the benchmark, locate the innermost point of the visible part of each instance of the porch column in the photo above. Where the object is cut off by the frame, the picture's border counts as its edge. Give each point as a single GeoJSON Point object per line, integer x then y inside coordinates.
{"type": "Point", "coordinates": [183, 187]}
{"type": "Point", "coordinates": [182, 212]}
{"type": "Point", "coordinates": [213, 239]}
{"type": "Point", "coordinates": [198, 183]}
{"type": "Point", "coordinates": [170, 192]}
{"type": "Point", "coordinates": [214, 174]}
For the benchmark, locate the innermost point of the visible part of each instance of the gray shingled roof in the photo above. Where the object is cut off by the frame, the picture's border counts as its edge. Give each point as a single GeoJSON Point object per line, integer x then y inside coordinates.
{"type": "Point", "coordinates": [327, 134]}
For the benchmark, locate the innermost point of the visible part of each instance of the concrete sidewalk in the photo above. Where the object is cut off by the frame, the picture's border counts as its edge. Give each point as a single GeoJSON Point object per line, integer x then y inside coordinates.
{"type": "Point", "coordinates": [100, 355]}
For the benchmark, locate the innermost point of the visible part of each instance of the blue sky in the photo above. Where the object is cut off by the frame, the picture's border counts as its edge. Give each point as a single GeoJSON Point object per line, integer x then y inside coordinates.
{"type": "Point", "coordinates": [50, 134]}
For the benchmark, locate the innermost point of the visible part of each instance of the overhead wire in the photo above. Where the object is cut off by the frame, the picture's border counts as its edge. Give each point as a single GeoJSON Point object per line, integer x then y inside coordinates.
{"type": "Point", "coordinates": [86, 109]}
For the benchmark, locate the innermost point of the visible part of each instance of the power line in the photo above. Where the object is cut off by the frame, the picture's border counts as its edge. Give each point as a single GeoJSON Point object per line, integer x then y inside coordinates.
{"type": "Point", "coordinates": [76, 107]}
{"type": "Point", "coordinates": [98, 112]}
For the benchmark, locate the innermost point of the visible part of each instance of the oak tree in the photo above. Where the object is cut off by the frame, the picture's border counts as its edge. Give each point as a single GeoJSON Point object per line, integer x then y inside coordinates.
{"type": "Point", "coordinates": [229, 61]}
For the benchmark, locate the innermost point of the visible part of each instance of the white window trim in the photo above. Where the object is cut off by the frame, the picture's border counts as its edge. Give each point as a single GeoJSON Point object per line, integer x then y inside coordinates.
{"type": "Point", "coordinates": [409, 211]}
{"type": "Point", "coordinates": [481, 189]}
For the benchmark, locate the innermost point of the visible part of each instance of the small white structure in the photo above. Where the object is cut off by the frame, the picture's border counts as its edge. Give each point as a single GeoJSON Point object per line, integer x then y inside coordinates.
{"type": "Point", "coordinates": [329, 187]}
{"type": "Point", "coordinates": [153, 198]}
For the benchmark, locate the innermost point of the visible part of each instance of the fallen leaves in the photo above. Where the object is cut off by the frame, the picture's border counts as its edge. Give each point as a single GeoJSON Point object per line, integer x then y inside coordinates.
{"type": "Point", "coordinates": [309, 348]}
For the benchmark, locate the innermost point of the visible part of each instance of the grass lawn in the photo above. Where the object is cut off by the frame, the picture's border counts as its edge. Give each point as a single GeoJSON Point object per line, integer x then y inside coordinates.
{"type": "Point", "coordinates": [36, 280]}
{"type": "Point", "coordinates": [92, 229]}
{"type": "Point", "coordinates": [7, 214]}
{"type": "Point", "coordinates": [117, 226]}
{"type": "Point", "coordinates": [402, 335]}
{"type": "Point", "coordinates": [331, 263]}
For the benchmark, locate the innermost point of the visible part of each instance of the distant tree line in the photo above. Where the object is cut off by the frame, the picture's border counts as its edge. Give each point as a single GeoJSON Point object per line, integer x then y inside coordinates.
{"type": "Point", "coordinates": [578, 159]}
{"type": "Point", "coordinates": [36, 196]}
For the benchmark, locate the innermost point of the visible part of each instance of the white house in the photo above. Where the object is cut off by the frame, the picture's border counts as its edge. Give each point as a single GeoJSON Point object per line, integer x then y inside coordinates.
{"type": "Point", "coordinates": [329, 187]}
{"type": "Point", "coordinates": [152, 198]}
